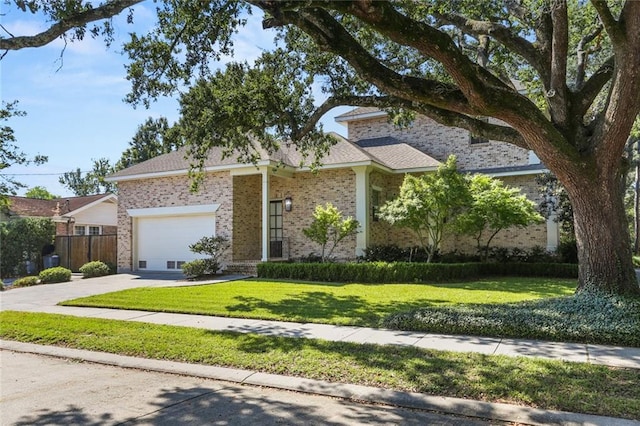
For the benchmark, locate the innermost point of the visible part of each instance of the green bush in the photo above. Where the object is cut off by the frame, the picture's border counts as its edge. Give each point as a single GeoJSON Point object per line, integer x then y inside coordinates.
{"type": "Point", "coordinates": [55, 275]}
{"type": "Point", "coordinates": [591, 317]}
{"type": "Point", "coordinates": [404, 272]}
{"type": "Point", "coordinates": [199, 267]}
{"type": "Point", "coordinates": [372, 272]}
{"type": "Point", "coordinates": [26, 281]}
{"type": "Point", "coordinates": [94, 269]}
{"type": "Point", "coordinates": [556, 270]}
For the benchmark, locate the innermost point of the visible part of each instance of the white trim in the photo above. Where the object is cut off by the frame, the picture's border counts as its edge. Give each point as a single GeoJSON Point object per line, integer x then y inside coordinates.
{"type": "Point", "coordinates": [514, 173]}
{"type": "Point", "coordinates": [173, 211]}
{"type": "Point", "coordinates": [363, 116]}
{"type": "Point", "coordinates": [553, 233]}
{"type": "Point", "coordinates": [363, 204]}
{"type": "Point", "coordinates": [180, 172]}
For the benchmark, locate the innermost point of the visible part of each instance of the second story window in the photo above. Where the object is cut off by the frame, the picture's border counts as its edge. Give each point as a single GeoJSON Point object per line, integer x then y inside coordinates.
{"type": "Point", "coordinates": [475, 139]}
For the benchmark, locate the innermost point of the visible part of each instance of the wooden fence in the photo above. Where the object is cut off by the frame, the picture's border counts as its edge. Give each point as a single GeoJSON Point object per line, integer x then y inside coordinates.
{"type": "Point", "coordinates": [76, 250]}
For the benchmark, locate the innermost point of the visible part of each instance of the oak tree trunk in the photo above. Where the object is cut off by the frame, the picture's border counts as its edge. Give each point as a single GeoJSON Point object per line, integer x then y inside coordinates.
{"type": "Point", "coordinates": [602, 234]}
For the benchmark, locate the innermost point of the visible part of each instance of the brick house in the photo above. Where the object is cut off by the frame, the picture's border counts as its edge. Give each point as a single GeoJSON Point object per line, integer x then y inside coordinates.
{"type": "Point", "coordinates": [263, 207]}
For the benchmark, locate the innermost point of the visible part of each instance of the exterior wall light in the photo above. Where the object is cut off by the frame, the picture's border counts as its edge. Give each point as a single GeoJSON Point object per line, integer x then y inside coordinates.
{"type": "Point", "coordinates": [288, 204]}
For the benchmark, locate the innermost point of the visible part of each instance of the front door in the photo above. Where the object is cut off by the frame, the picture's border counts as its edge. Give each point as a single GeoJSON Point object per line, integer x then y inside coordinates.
{"type": "Point", "coordinates": [275, 229]}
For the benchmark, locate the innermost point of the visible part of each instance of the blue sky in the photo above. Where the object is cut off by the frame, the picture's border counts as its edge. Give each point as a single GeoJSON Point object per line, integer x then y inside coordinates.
{"type": "Point", "coordinates": [73, 96]}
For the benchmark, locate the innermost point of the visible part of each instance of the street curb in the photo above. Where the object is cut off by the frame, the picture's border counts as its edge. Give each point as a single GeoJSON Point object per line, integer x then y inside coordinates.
{"type": "Point", "coordinates": [457, 406]}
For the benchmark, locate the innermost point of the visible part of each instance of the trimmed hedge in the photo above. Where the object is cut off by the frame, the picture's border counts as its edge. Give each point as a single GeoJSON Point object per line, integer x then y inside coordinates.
{"type": "Point", "coordinates": [95, 268]}
{"type": "Point", "coordinates": [396, 272]}
{"type": "Point", "coordinates": [55, 275]}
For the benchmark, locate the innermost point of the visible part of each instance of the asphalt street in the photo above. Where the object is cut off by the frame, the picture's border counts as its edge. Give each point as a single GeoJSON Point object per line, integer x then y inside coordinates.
{"type": "Point", "coordinates": [42, 390]}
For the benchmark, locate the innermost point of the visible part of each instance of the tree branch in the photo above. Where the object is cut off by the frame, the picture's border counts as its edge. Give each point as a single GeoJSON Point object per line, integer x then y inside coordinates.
{"type": "Point", "coordinates": [557, 92]}
{"type": "Point", "coordinates": [611, 26]}
{"type": "Point", "coordinates": [503, 35]}
{"type": "Point", "coordinates": [582, 54]}
{"type": "Point", "coordinates": [104, 11]}
{"type": "Point", "coordinates": [592, 87]}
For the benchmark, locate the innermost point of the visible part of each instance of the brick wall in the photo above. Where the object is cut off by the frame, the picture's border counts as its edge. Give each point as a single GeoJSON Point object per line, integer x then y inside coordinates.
{"type": "Point", "coordinates": [247, 217]}
{"type": "Point", "coordinates": [307, 191]}
{"type": "Point", "coordinates": [171, 192]}
{"type": "Point", "coordinates": [440, 141]}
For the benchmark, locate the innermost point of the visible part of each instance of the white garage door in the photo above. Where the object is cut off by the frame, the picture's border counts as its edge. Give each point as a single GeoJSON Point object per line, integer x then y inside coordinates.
{"type": "Point", "coordinates": [163, 242]}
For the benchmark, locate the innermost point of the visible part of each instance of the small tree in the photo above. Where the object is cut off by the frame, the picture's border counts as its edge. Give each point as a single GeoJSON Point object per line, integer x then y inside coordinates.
{"type": "Point", "coordinates": [427, 204]}
{"type": "Point", "coordinates": [22, 241]}
{"type": "Point", "coordinates": [40, 193]}
{"type": "Point", "coordinates": [494, 207]}
{"type": "Point", "coordinates": [329, 228]}
{"type": "Point", "coordinates": [215, 248]}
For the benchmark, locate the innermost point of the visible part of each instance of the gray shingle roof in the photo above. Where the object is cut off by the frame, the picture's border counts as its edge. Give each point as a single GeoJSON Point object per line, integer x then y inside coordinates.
{"type": "Point", "coordinates": [388, 152]}
{"type": "Point", "coordinates": [396, 154]}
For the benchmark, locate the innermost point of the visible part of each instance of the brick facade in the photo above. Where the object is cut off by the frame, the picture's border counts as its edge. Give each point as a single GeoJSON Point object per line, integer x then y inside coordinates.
{"type": "Point", "coordinates": [240, 197]}
{"type": "Point", "coordinates": [440, 141]}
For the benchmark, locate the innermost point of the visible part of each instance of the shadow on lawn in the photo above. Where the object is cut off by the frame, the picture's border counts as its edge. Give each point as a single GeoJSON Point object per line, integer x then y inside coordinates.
{"type": "Point", "coordinates": [317, 306]}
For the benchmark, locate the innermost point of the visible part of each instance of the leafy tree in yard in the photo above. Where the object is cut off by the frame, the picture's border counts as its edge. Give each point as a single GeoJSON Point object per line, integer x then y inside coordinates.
{"type": "Point", "coordinates": [214, 247]}
{"type": "Point", "coordinates": [92, 182]}
{"type": "Point", "coordinates": [329, 228]}
{"type": "Point", "coordinates": [494, 207]}
{"type": "Point", "coordinates": [40, 192]}
{"type": "Point", "coordinates": [450, 60]}
{"type": "Point", "coordinates": [22, 241]}
{"type": "Point", "coordinates": [427, 204]}
{"type": "Point", "coordinates": [154, 137]}
{"type": "Point", "coordinates": [10, 154]}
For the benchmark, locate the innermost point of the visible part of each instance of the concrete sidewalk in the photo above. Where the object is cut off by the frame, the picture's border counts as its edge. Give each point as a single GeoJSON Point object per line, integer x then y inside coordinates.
{"type": "Point", "coordinates": [45, 299]}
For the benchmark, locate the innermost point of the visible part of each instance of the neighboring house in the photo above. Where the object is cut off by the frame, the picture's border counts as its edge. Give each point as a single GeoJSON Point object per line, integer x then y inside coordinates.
{"type": "Point", "coordinates": [86, 227]}
{"type": "Point", "coordinates": [262, 208]}
{"type": "Point", "coordinates": [90, 215]}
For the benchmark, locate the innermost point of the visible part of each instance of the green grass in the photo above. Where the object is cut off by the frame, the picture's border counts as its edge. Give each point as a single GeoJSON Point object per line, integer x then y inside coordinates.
{"type": "Point", "coordinates": [343, 304]}
{"type": "Point", "coordinates": [574, 387]}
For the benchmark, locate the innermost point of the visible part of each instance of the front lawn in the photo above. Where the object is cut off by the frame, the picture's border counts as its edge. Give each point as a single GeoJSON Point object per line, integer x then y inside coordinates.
{"type": "Point", "coordinates": [575, 387]}
{"type": "Point", "coordinates": [342, 304]}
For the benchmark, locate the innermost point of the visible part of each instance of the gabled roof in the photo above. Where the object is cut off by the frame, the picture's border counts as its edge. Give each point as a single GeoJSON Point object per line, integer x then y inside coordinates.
{"type": "Point", "coordinates": [391, 154]}
{"type": "Point", "coordinates": [33, 207]}
{"type": "Point", "coordinates": [396, 154]}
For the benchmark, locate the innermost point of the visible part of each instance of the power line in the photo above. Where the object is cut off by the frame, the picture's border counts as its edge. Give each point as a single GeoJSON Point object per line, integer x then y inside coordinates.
{"type": "Point", "coordinates": [41, 174]}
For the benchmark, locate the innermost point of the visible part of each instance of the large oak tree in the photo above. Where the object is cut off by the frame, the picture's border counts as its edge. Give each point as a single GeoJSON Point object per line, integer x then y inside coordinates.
{"type": "Point", "coordinates": [454, 61]}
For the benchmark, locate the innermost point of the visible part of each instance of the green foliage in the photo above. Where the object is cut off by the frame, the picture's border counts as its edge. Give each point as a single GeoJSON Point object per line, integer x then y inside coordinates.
{"type": "Point", "coordinates": [544, 384]}
{"type": "Point", "coordinates": [555, 200]}
{"type": "Point", "coordinates": [403, 272]}
{"type": "Point", "coordinates": [10, 153]}
{"type": "Point", "coordinates": [55, 275]}
{"type": "Point", "coordinates": [494, 207]}
{"type": "Point", "coordinates": [40, 192]}
{"type": "Point", "coordinates": [95, 268]}
{"type": "Point", "coordinates": [26, 282]}
{"type": "Point", "coordinates": [585, 317]}
{"type": "Point", "coordinates": [329, 228]}
{"type": "Point", "coordinates": [212, 246]}
{"type": "Point", "coordinates": [195, 268]}
{"type": "Point", "coordinates": [91, 182]}
{"type": "Point", "coordinates": [22, 241]}
{"type": "Point", "coordinates": [426, 204]}
{"type": "Point", "coordinates": [153, 138]}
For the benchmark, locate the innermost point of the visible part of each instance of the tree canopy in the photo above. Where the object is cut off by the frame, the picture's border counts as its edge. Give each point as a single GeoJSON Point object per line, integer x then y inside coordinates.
{"type": "Point", "coordinates": [454, 61]}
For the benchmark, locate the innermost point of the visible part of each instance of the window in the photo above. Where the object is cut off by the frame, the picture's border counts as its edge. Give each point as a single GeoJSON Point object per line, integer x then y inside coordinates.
{"type": "Point", "coordinates": [94, 230]}
{"type": "Point", "coordinates": [142, 264]}
{"type": "Point", "coordinates": [375, 202]}
{"type": "Point", "coordinates": [78, 230]}
{"type": "Point", "coordinates": [475, 139]}
{"type": "Point", "coordinates": [171, 264]}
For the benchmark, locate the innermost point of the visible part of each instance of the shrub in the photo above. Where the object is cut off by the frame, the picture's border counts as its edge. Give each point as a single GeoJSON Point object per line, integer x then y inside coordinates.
{"type": "Point", "coordinates": [55, 275]}
{"type": "Point", "coordinates": [197, 268]}
{"type": "Point", "coordinates": [568, 251]}
{"type": "Point", "coordinates": [94, 269]}
{"type": "Point", "coordinates": [584, 317]}
{"type": "Point", "coordinates": [395, 272]}
{"type": "Point", "coordinates": [212, 246]}
{"type": "Point", "coordinates": [26, 281]}
{"type": "Point", "coordinates": [370, 272]}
